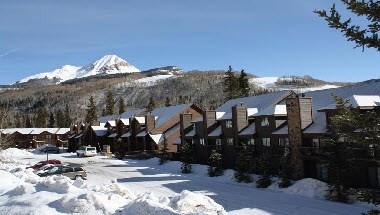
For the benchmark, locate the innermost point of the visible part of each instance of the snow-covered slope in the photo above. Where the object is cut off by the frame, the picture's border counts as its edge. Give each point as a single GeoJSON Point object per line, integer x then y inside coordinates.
{"type": "Point", "coordinates": [274, 83]}
{"type": "Point", "coordinates": [109, 64]}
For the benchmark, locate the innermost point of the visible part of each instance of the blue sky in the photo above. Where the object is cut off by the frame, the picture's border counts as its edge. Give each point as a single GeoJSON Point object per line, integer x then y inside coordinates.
{"type": "Point", "coordinates": [267, 38]}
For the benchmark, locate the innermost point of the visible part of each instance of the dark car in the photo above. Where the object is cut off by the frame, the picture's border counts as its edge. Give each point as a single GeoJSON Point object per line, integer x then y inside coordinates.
{"type": "Point", "coordinates": [41, 164]}
{"type": "Point", "coordinates": [50, 149]}
{"type": "Point", "coordinates": [73, 172]}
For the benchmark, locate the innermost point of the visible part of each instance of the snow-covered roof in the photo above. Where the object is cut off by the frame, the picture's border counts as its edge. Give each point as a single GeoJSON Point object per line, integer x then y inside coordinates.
{"type": "Point", "coordinates": [323, 98]}
{"type": "Point", "coordinates": [252, 111]}
{"type": "Point", "coordinates": [35, 131]}
{"type": "Point", "coordinates": [358, 101]}
{"type": "Point", "coordinates": [276, 110]}
{"type": "Point", "coordinates": [129, 114]}
{"type": "Point", "coordinates": [260, 102]}
{"type": "Point", "coordinates": [62, 131]}
{"type": "Point", "coordinates": [219, 114]}
{"type": "Point", "coordinates": [249, 130]}
{"type": "Point", "coordinates": [177, 141]}
{"type": "Point", "coordinates": [125, 121]}
{"type": "Point", "coordinates": [100, 130]}
{"type": "Point", "coordinates": [157, 138]}
{"type": "Point", "coordinates": [226, 116]}
{"type": "Point", "coordinates": [112, 123]}
{"type": "Point", "coordinates": [216, 132]}
{"type": "Point", "coordinates": [140, 119]}
{"type": "Point", "coordinates": [164, 114]}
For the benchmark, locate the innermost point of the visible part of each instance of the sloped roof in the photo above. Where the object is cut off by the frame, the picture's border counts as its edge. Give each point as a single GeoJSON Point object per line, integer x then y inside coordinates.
{"type": "Point", "coordinates": [128, 134]}
{"type": "Point", "coordinates": [105, 119]}
{"type": "Point", "coordinates": [164, 114]}
{"type": "Point", "coordinates": [358, 101]}
{"type": "Point", "coordinates": [281, 131]}
{"type": "Point", "coordinates": [276, 110]}
{"type": "Point", "coordinates": [113, 135]}
{"type": "Point", "coordinates": [100, 130]}
{"type": "Point", "coordinates": [190, 133]}
{"type": "Point", "coordinates": [63, 131]}
{"type": "Point", "coordinates": [323, 98]}
{"type": "Point", "coordinates": [249, 130]}
{"type": "Point", "coordinates": [216, 132]}
{"type": "Point", "coordinates": [141, 134]}
{"type": "Point", "coordinates": [260, 102]}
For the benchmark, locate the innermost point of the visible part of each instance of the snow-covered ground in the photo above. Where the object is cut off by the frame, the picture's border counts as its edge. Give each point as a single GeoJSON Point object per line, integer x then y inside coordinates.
{"type": "Point", "coordinates": [270, 83]}
{"type": "Point", "coordinates": [144, 187]}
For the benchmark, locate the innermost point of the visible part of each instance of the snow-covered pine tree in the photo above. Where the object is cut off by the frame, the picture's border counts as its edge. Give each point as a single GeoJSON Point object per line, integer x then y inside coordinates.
{"type": "Point", "coordinates": [215, 164]}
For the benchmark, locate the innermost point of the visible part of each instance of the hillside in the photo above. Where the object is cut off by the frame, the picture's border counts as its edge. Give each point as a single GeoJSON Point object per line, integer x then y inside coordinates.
{"type": "Point", "coordinates": [204, 88]}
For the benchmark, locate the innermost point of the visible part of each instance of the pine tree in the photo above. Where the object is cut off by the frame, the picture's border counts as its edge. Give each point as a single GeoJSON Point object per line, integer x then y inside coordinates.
{"type": "Point", "coordinates": [121, 105]}
{"type": "Point", "coordinates": [110, 103]}
{"type": "Point", "coordinates": [151, 105]}
{"type": "Point", "coordinates": [231, 85]}
{"type": "Point", "coordinates": [67, 117]}
{"type": "Point", "coordinates": [285, 172]}
{"type": "Point", "coordinates": [242, 165]}
{"type": "Point", "coordinates": [264, 167]}
{"type": "Point", "coordinates": [186, 157]}
{"type": "Point", "coordinates": [363, 36]}
{"type": "Point", "coordinates": [91, 111]}
{"type": "Point", "coordinates": [243, 84]}
{"type": "Point", "coordinates": [51, 123]}
{"type": "Point", "coordinates": [340, 156]}
{"type": "Point", "coordinates": [215, 164]}
{"type": "Point", "coordinates": [167, 102]}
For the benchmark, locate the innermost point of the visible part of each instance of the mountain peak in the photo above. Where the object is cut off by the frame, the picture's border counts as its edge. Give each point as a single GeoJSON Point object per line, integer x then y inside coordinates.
{"type": "Point", "coordinates": [108, 64]}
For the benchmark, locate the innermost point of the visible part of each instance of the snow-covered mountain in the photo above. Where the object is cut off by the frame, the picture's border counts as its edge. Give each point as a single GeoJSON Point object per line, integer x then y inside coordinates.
{"type": "Point", "coordinates": [109, 64]}
{"type": "Point", "coordinates": [298, 84]}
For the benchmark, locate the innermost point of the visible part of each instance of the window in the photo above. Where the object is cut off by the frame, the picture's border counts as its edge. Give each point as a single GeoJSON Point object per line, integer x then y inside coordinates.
{"type": "Point", "coordinates": [218, 144]}
{"type": "Point", "coordinates": [283, 142]}
{"type": "Point", "coordinates": [192, 141]}
{"type": "Point", "coordinates": [202, 141]}
{"type": "Point", "coordinates": [228, 124]}
{"type": "Point", "coordinates": [230, 141]}
{"type": "Point", "coordinates": [315, 143]}
{"type": "Point", "coordinates": [251, 142]}
{"type": "Point", "coordinates": [266, 142]}
{"type": "Point", "coordinates": [265, 121]}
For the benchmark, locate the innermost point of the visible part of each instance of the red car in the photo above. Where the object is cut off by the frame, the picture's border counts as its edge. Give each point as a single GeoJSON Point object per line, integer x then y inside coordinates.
{"type": "Point", "coordinates": [40, 164]}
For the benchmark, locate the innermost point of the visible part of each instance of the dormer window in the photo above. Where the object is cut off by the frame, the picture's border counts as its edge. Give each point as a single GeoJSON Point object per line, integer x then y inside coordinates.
{"type": "Point", "coordinates": [228, 124]}
{"type": "Point", "coordinates": [265, 121]}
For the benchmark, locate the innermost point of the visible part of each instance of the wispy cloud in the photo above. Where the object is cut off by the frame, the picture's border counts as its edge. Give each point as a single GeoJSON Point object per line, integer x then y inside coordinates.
{"type": "Point", "coordinates": [8, 52]}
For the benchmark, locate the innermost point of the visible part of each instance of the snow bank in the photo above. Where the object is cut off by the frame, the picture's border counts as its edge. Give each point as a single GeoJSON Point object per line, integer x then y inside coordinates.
{"type": "Point", "coordinates": [14, 152]}
{"type": "Point", "coordinates": [187, 203]}
{"type": "Point", "coordinates": [308, 187]}
{"type": "Point", "coordinates": [193, 203]}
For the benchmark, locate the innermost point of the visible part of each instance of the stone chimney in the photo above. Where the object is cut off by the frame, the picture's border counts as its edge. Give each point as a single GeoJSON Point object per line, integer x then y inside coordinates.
{"type": "Point", "coordinates": [185, 121]}
{"type": "Point", "coordinates": [299, 112]}
{"type": "Point", "coordinates": [150, 122]}
{"type": "Point", "coordinates": [239, 117]}
{"type": "Point", "coordinates": [209, 117]}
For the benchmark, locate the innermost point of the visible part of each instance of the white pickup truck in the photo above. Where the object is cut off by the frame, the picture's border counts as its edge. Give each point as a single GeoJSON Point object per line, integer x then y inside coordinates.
{"type": "Point", "coordinates": [86, 151]}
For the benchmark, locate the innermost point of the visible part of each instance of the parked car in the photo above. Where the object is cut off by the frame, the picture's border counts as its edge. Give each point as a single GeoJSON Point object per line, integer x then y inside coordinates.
{"type": "Point", "coordinates": [73, 172]}
{"type": "Point", "coordinates": [41, 164]}
{"type": "Point", "coordinates": [86, 151]}
{"type": "Point", "coordinates": [50, 149]}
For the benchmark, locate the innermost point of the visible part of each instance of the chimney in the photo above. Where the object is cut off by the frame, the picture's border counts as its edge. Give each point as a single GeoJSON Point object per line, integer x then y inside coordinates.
{"type": "Point", "coordinates": [185, 121]}
{"type": "Point", "coordinates": [209, 117]}
{"type": "Point", "coordinates": [299, 112]}
{"type": "Point", "coordinates": [150, 122]}
{"type": "Point", "coordinates": [239, 117]}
